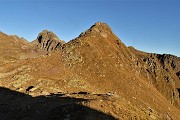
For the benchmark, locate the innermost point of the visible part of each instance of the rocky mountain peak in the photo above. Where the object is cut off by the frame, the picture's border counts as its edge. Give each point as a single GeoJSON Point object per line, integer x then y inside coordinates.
{"type": "Point", "coordinates": [101, 25]}
{"type": "Point", "coordinates": [47, 35]}
{"type": "Point", "coordinates": [47, 41]}
{"type": "Point", "coordinates": [97, 29]}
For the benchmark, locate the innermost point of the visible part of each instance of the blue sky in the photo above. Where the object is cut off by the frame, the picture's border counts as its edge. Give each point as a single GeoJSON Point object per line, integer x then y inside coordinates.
{"type": "Point", "coordinates": [148, 25]}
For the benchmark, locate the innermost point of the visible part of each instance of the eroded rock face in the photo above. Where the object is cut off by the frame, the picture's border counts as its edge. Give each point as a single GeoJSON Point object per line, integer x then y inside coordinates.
{"type": "Point", "coordinates": [48, 41]}
{"type": "Point", "coordinates": [171, 64]}
{"type": "Point", "coordinates": [168, 60]}
{"type": "Point", "coordinates": [162, 69]}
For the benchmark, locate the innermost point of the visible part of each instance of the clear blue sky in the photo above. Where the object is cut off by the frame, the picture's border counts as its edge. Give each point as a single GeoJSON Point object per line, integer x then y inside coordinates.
{"type": "Point", "coordinates": [148, 25]}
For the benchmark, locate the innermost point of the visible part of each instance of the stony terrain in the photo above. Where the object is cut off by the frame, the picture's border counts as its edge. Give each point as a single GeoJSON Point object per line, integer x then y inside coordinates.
{"type": "Point", "coordinates": [94, 76]}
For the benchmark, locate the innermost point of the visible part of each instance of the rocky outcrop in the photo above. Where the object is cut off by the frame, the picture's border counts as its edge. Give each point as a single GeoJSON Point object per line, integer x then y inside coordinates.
{"type": "Point", "coordinates": [171, 64]}
{"type": "Point", "coordinates": [160, 70]}
{"type": "Point", "coordinates": [47, 41]}
{"type": "Point", "coordinates": [171, 61]}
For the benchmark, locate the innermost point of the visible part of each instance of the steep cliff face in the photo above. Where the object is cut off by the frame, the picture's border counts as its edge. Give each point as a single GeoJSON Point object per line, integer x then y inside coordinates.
{"type": "Point", "coordinates": [160, 71]}
{"type": "Point", "coordinates": [171, 64]}
{"type": "Point", "coordinates": [47, 41]}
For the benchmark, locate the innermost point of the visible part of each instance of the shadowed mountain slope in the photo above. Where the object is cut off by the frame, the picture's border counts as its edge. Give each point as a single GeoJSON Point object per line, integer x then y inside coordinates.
{"type": "Point", "coordinates": [15, 105]}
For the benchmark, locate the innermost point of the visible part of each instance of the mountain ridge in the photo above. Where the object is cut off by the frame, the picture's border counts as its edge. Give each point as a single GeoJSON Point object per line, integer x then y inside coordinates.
{"type": "Point", "coordinates": [130, 84]}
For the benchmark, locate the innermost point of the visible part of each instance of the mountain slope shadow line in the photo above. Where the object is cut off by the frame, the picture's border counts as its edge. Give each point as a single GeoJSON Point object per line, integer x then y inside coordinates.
{"type": "Point", "coordinates": [19, 106]}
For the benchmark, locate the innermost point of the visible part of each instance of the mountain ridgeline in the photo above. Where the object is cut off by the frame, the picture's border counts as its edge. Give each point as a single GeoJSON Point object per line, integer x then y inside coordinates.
{"type": "Point", "coordinates": [117, 80]}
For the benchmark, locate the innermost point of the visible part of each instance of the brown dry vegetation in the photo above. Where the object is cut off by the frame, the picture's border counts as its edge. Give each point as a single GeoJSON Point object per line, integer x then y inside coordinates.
{"type": "Point", "coordinates": [118, 82]}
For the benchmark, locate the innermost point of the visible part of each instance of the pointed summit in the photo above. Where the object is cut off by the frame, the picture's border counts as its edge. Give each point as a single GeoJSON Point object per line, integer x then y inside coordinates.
{"type": "Point", "coordinates": [99, 28]}
{"type": "Point", "coordinates": [45, 34]}
{"type": "Point", "coordinates": [47, 41]}
{"type": "Point", "coordinates": [99, 37]}
{"type": "Point", "coordinates": [101, 25]}
{"type": "Point", "coordinates": [100, 33]}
